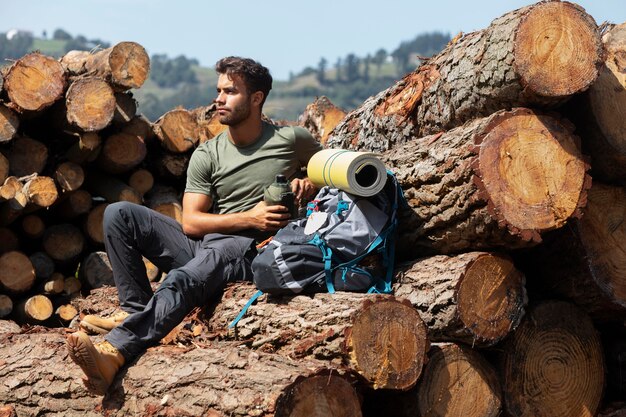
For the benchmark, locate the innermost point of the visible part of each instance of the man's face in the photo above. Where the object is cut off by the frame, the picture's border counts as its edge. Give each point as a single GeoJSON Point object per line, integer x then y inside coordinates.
{"type": "Point", "coordinates": [233, 101]}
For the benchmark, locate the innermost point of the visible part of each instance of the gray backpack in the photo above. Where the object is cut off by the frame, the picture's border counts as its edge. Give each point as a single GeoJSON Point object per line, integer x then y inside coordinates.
{"type": "Point", "coordinates": [331, 256]}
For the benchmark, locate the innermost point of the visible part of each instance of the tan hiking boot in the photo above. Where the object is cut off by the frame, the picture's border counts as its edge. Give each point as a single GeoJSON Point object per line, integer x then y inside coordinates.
{"type": "Point", "coordinates": [99, 362]}
{"type": "Point", "coordinates": [93, 324]}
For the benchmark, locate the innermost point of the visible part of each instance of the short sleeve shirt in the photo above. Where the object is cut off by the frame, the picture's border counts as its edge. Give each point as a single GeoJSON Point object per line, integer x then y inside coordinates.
{"type": "Point", "coordinates": [235, 177]}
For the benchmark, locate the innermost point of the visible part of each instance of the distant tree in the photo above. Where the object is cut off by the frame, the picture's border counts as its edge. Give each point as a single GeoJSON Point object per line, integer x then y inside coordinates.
{"type": "Point", "coordinates": [379, 58]}
{"type": "Point", "coordinates": [321, 71]}
{"type": "Point", "coordinates": [307, 71]}
{"type": "Point", "coordinates": [338, 70]}
{"type": "Point", "coordinates": [61, 35]}
{"type": "Point", "coordinates": [16, 47]}
{"type": "Point", "coordinates": [352, 68]}
{"type": "Point", "coordinates": [366, 68]}
{"type": "Point", "coordinates": [167, 72]}
{"type": "Point", "coordinates": [426, 44]}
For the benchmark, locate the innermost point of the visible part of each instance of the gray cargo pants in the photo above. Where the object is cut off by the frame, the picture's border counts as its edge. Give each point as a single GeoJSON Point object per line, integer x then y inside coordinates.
{"type": "Point", "coordinates": [197, 269]}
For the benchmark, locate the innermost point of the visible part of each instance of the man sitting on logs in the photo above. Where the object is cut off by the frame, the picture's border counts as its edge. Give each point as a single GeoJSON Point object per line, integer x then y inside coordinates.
{"type": "Point", "coordinates": [223, 217]}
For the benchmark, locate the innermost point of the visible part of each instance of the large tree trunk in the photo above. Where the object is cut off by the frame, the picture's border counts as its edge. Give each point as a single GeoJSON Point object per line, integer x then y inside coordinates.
{"type": "Point", "coordinates": [500, 181]}
{"type": "Point", "coordinates": [503, 66]}
{"type": "Point", "coordinates": [595, 112]}
{"type": "Point", "coordinates": [34, 82]}
{"type": "Point", "coordinates": [124, 65]}
{"type": "Point", "coordinates": [219, 380]}
{"type": "Point", "coordinates": [382, 338]}
{"type": "Point", "coordinates": [585, 261]}
{"type": "Point", "coordinates": [553, 364]}
{"type": "Point", "coordinates": [458, 381]}
{"type": "Point", "coordinates": [320, 118]}
{"type": "Point", "coordinates": [476, 297]}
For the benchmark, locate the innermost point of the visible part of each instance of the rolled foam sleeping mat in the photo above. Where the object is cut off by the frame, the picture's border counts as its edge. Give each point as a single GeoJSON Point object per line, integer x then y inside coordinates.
{"type": "Point", "coordinates": [358, 173]}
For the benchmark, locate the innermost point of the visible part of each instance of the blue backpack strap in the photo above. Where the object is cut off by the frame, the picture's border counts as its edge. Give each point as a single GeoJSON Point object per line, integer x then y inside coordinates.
{"type": "Point", "coordinates": [327, 257]}
{"type": "Point", "coordinates": [245, 309]}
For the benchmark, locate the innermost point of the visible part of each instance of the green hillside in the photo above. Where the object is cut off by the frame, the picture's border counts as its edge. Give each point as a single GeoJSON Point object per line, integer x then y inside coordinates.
{"type": "Point", "coordinates": [181, 81]}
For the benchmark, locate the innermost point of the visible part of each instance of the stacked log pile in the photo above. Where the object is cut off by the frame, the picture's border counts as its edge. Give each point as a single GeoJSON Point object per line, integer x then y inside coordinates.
{"type": "Point", "coordinates": [508, 296]}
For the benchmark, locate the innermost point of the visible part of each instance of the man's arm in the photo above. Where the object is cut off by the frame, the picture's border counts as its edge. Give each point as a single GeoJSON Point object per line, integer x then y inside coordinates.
{"type": "Point", "coordinates": [197, 222]}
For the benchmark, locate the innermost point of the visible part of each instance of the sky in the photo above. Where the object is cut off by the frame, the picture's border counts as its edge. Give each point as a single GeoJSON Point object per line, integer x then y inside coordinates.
{"type": "Point", "coordinates": [284, 35]}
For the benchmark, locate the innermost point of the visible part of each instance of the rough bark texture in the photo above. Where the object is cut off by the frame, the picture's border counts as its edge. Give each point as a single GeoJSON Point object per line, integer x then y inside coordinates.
{"type": "Point", "coordinates": [585, 261]}
{"type": "Point", "coordinates": [220, 380]}
{"type": "Point", "coordinates": [500, 181]}
{"type": "Point", "coordinates": [475, 297]}
{"type": "Point", "coordinates": [553, 364]}
{"type": "Point", "coordinates": [320, 118]}
{"type": "Point", "coordinates": [595, 113]}
{"type": "Point", "coordinates": [9, 123]}
{"type": "Point", "coordinates": [458, 381]}
{"type": "Point", "coordinates": [124, 65]}
{"type": "Point", "coordinates": [208, 122]}
{"type": "Point", "coordinates": [34, 82]}
{"type": "Point", "coordinates": [500, 67]}
{"type": "Point", "coordinates": [90, 104]}
{"type": "Point", "coordinates": [380, 337]}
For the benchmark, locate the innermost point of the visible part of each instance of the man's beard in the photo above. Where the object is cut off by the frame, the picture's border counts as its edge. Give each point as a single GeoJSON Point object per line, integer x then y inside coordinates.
{"type": "Point", "coordinates": [236, 115]}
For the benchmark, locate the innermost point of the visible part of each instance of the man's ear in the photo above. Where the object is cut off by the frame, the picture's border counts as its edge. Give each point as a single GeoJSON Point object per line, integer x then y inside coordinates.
{"type": "Point", "coordinates": [257, 98]}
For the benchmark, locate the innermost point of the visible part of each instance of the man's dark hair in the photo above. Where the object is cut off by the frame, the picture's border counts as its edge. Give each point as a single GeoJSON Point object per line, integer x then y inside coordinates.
{"type": "Point", "coordinates": [255, 76]}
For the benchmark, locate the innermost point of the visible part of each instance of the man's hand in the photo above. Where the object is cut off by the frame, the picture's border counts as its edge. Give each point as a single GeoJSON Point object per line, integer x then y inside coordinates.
{"type": "Point", "coordinates": [268, 218]}
{"type": "Point", "coordinates": [303, 188]}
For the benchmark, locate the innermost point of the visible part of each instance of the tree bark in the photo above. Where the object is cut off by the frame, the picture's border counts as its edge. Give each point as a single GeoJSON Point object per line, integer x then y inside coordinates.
{"type": "Point", "coordinates": [9, 123]}
{"type": "Point", "coordinates": [506, 65]}
{"type": "Point", "coordinates": [124, 65]}
{"type": "Point", "coordinates": [320, 118]}
{"type": "Point", "coordinates": [476, 297]}
{"type": "Point", "coordinates": [585, 261]}
{"type": "Point", "coordinates": [382, 338]}
{"type": "Point", "coordinates": [208, 122]}
{"type": "Point", "coordinates": [594, 113]}
{"type": "Point", "coordinates": [34, 82]}
{"type": "Point", "coordinates": [219, 380]}
{"type": "Point", "coordinates": [90, 104]}
{"type": "Point", "coordinates": [497, 182]}
{"type": "Point", "coordinates": [553, 364]}
{"type": "Point", "coordinates": [458, 381]}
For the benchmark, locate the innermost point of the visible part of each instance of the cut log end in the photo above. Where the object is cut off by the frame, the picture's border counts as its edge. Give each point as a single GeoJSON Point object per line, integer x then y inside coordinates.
{"type": "Point", "coordinates": [603, 232]}
{"type": "Point", "coordinates": [554, 364]}
{"type": "Point", "coordinates": [557, 49]}
{"type": "Point", "coordinates": [459, 382]}
{"type": "Point", "coordinates": [534, 177]}
{"type": "Point", "coordinates": [491, 298]}
{"type": "Point", "coordinates": [319, 396]}
{"type": "Point", "coordinates": [69, 176]}
{"type": "Point", "coordinates": [34, 82]}
{"type": "Point", "coordinates": [17, 273]}
{"type": "Point", "coordinates": [130, 65]}
{"type": "Point", "coordinates": [35, 309]}
{"type": "Point", "coordinates": [9, 123]}
{"type": "Point", "coordinates": [41, 191]}
{"type": "Point", "coordinates": [6, 305]}
{"type": "Point", "coordinates": [63, 242]}
{"type": "Point", "coordinates": [608, 94]}
{"type": "Point", "coordinates": [177, 130]}
{"type": "Point", "coordinates": [122, 152]}
{"type": "Point", "coordinates": [90, 104]}
{"type": "Point", "coordinates": [388, 342]}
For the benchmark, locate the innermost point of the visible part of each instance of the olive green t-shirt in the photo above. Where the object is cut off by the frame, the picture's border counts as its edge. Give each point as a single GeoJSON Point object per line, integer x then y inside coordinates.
{"type": "Point", "coordinates": [235, 177]}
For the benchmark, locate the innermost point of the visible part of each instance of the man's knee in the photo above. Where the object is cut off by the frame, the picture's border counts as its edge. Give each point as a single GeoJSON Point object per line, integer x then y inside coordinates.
{"type": "Point", "coordinates": [117, 215]}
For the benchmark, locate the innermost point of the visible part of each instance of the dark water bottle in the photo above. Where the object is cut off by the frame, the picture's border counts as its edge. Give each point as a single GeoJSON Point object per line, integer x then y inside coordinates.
{"type": "Point", "coordinates": [279, 193]}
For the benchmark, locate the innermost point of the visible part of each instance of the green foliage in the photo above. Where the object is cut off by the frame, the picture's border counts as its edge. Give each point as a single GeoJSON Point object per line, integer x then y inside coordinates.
{"type": "Point", "coordinates": [61, 35]}
{"type": "Point", "coordinates": [14, 48]}
{"type": "Point", "coordinates": [167, 72]}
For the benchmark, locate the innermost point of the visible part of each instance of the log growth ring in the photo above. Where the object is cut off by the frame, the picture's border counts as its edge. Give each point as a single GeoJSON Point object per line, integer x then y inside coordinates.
{"type": "Point", "coordinates": [557, 49]}
{"type": "Point", "coordinates": [532, 170]}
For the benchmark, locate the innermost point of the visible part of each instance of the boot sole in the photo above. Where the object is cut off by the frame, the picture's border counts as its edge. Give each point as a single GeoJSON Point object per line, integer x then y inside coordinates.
{"type": "Point", "coordinates": [93, 329]}
{"type": "Point", "coordinates": [84, 354]}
